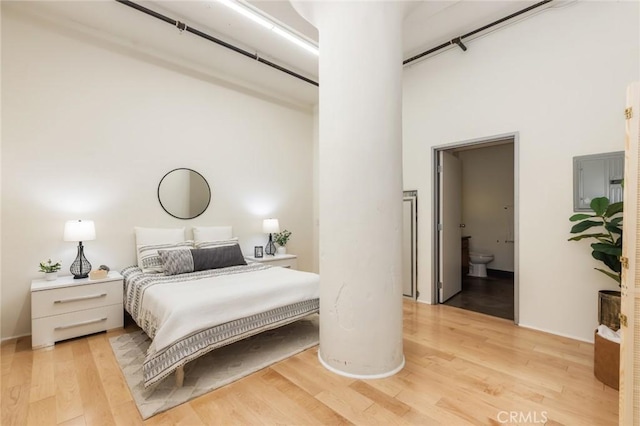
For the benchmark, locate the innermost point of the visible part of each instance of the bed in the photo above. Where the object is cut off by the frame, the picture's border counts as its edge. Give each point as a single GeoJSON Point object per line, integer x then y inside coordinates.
{"type": "Point", "coordinates": [189, 314]}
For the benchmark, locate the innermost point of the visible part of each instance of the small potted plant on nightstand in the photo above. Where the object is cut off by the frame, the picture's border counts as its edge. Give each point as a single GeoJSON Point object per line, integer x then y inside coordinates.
{"type": "Point", "coordinates": [50, 269]}
{"type": "Point", "coordinates": [281, 239]}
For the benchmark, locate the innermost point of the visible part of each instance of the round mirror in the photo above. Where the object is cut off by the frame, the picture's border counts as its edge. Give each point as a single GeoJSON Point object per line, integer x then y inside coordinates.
{"type": "Point", "coordinates": [184, 193]}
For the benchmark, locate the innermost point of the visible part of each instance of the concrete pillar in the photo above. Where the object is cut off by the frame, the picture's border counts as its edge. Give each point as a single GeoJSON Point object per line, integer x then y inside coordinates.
{"type": "Point", "coordinates": [360, 185]}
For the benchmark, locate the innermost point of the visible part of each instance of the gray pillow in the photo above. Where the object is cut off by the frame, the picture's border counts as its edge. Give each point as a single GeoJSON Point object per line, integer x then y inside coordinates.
{"type": "Point", "coordinates": [182, 261]}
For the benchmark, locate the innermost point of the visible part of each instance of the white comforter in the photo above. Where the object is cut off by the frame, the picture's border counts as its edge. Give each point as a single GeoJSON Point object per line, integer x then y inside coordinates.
{"type": "Point", "coordinates": [182, 308]}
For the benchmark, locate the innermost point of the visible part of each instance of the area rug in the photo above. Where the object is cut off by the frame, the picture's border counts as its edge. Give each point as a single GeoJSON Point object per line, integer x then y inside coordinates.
{"type": "Point", "coordinates": [213, 370]}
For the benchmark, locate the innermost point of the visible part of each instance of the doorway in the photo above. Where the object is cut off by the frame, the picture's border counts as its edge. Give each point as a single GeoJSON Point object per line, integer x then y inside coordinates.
{"type": "Point", "coordinates": [476, 215]}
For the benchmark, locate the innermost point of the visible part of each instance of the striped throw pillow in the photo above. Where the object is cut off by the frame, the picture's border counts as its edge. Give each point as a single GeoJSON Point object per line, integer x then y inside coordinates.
{"type": "Point", "coordinates": [150, 259]}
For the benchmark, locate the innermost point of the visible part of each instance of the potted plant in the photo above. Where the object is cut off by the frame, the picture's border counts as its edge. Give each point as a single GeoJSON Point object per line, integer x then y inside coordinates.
{"type": "Point", "coordinates": [50, 269]}
{"type": "Point", "coordinates": [605, 227]}
{"type": "Point", "coordinates": [281, 239]}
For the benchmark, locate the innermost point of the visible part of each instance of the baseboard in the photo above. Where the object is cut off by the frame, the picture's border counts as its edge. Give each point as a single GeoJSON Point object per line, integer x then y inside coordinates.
{"type": "Point", "coordinates": [4, 339]}
{"type": "Point", "coordinates": [500, 274]}
{"type": "Point", "coordinates": [555, 333]}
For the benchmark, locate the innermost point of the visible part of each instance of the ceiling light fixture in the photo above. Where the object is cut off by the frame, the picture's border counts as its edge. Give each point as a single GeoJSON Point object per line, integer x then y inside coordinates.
{"type": "Point", "coordinates": [252, 14]}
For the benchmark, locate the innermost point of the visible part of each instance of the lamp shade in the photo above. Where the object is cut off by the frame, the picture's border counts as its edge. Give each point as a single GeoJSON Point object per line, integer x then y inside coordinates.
{"type": "Point", "coordinates": [79, 230]}
{"type": "Point", "coordinates": [270, 226]}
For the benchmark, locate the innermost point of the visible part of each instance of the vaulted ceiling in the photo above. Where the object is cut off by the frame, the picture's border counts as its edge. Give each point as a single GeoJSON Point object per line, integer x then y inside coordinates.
{"type": "Point", "coordinates": [427, 24]}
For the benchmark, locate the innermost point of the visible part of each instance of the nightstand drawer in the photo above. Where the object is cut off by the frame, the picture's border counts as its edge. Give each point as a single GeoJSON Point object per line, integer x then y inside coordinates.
{"type": "Point", "coordinates": [285, 263]}
{"type": "Point", "coordinates": [283, 260]}
{"type": "Point", "coordinates": [47, 331]}
{"type": "Point", "coordinates": [69, 299]}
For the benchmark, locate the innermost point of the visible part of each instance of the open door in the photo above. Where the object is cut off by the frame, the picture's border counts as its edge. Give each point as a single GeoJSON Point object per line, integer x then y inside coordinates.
{"type": "Point", "coordinates": [629, 397]}
{"type": "Point", "coordinates": [449, 230]}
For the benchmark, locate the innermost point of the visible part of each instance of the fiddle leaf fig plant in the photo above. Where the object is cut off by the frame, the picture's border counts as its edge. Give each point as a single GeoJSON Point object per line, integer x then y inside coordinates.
{"type": "Point", "coordinates": [604, 226]}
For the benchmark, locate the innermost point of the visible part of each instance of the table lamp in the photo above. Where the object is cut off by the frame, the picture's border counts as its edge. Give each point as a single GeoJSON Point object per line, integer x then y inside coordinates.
{"type": "Point", "coordinates": [269, 226]}
{"type": "Point", "coordinates": [80, 230]}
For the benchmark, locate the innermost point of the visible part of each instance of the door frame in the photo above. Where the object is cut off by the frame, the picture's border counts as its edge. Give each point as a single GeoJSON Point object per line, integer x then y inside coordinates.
{"type": "Point", "coordinates": [435, 204]}
{"type": "Point", "coordinates": [412, 197]}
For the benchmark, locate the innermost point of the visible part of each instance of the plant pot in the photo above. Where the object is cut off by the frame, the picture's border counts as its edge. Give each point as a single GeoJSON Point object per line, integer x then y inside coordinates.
{"type": "Point", "coordinates": [50, 276]}
{"type": "Point", "coordinates": [609, 308]}
{"type": "Point", "coordinates": [282, 250]}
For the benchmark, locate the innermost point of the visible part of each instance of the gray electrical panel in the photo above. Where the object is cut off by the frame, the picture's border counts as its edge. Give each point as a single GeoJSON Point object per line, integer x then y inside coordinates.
{"type": "Point", "coordinates": [597, 175]}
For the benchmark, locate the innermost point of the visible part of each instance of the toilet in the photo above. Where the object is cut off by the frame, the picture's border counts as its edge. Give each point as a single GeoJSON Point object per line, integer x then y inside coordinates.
{"type": "Point", "coordinates": [478, 263]}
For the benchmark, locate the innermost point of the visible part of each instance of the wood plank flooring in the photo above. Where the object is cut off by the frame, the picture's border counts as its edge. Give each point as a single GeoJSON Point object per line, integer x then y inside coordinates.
{"type": "Point", "coordinates": [461, 368]}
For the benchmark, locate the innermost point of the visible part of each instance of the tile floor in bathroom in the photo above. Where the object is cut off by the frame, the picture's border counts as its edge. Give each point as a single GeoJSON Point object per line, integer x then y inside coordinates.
{"type": "Point", "coordinates": [492, 295]}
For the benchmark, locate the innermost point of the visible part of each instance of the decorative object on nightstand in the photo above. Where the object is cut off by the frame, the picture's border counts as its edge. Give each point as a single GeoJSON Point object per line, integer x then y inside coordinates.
{"type": "Point", "coordinates": [79, 230]}
{"type": "Point", "coordinates": [100, 273]}
{"type": "Point", "coordinates": [50, 269]}
{"type": "Point", "coordinates": [67, 308]}
{"type": "Point", "coordinates": [270, 226]}
{"type": "Point", "coordinates": [281, 239]}
{"type": "Point", "coordinates": [257, 252]}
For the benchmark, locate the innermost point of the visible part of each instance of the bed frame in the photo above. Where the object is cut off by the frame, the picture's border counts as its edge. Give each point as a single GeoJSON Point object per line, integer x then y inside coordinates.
{"type": "Point", "coordinates": [179, 371]}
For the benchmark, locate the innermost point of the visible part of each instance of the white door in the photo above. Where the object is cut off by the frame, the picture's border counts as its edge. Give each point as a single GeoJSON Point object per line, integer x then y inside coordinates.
{"type": "Point", "coordinates": [450, 233]}
{"type": "Point", "coordinates": [629, 409]}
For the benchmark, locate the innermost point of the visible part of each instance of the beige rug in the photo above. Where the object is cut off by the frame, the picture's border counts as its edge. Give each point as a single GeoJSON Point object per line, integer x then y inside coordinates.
{"type": "Point", "coordinates": [211, 371]}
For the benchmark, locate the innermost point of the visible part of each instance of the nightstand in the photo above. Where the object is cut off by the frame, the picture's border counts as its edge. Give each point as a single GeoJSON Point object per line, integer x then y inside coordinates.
{"type": "Point", "coordinates": [67, 308]}
{"type": "Point", "coordinates": [284, 260]}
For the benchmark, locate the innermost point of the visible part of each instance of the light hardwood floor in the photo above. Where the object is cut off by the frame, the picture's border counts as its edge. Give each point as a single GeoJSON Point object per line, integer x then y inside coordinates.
{"type": "Point", "coordinates": [461, 368]}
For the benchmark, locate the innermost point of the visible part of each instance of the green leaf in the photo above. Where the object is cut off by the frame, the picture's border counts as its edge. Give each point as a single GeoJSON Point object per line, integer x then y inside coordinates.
{"type": "Point", "coordinates": [610, 274]}
{"type": "Point", "coordinates": [612, 262]}
{"type": "Point", "coordinates": [583, 236]}
{"type": "Point", "coordinates": [616, 221]}
{"type": "Point", "coordinates": [583, 226]}
{"type": "Point", "coordinates": [580, 216]}
{"type": "Point", "coordinates": [607, 248]}
{"type": "Point", "coordinates": [599, 205]}
{"type": "Point", "coordinates": [614, 209]}
{"type": "Point", "coordinates": [613, 228]}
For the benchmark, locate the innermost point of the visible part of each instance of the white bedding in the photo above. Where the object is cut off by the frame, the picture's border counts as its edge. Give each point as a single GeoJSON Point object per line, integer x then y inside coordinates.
{"type": "Point", "coordinates": [182, 308]}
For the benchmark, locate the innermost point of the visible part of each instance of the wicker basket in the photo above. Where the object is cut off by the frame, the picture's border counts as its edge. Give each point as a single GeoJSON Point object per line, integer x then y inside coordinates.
{"type": "Point", "coordinates": [606, 361]}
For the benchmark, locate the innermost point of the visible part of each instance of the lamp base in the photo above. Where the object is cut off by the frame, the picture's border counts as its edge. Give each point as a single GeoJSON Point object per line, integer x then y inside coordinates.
{"type": "Point", "coordinates": [270, 248]}
{"type": "Point", "coordinates": [80, 267]}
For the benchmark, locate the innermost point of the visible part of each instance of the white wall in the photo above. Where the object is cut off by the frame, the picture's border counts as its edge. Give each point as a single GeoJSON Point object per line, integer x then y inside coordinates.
{"type": "Point", "coordinates": [487, 202]}
{"type": "Point", "coordinates": [89, 131]}
{"type": "Point", "coordinates": [559, 79]}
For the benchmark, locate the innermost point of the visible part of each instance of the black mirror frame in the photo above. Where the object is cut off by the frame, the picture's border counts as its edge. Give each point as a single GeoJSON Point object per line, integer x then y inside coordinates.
{"type": "Point", "coordinates": [190, 170]}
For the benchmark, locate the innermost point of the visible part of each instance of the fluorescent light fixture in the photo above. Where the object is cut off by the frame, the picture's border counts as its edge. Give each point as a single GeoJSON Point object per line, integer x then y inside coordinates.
{"type": "Point", "coordinates": [295, 40]}
{"type": "Point", "coordinates": [248, 12]}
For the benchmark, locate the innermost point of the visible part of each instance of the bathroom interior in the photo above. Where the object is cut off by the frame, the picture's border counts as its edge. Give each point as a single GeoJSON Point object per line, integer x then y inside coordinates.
{"type": "Point", "coordinates": [487, 255]}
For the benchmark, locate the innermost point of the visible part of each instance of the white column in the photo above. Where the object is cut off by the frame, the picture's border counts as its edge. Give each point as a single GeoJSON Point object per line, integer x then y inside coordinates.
{"type": "Point", "coordinates": [360, 185]}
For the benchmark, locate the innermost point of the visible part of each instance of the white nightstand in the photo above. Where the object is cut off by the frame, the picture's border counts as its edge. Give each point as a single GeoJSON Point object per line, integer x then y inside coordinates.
{"type": "Point", "coordinates": [284, 260]}
{"type": "Point", "coordinates": [67, 308]}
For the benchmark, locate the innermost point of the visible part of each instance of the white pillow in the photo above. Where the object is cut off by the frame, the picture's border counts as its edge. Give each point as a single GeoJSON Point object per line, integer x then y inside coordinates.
{"type": "Point", "coordinates": [217, 243]}
{"type": "Point", "coordinates": [146, 236]}
{"type": "Point", "coordinates": [212, 233]}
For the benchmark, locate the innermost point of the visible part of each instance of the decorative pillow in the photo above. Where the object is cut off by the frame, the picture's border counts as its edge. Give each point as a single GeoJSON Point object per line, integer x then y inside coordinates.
{"type": "Point", "coordinates": [148, 236]}
{"type": "Point", "coordinates": [218, 243]}
{"type": "Point", "coordinates": [183, 261]}
{"type": "Point", "coordinates": [212, 233]}
{"type": "Point", "coordinates": [176, 261]}
{"type": "Point", "coordinates": [150, 261]}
